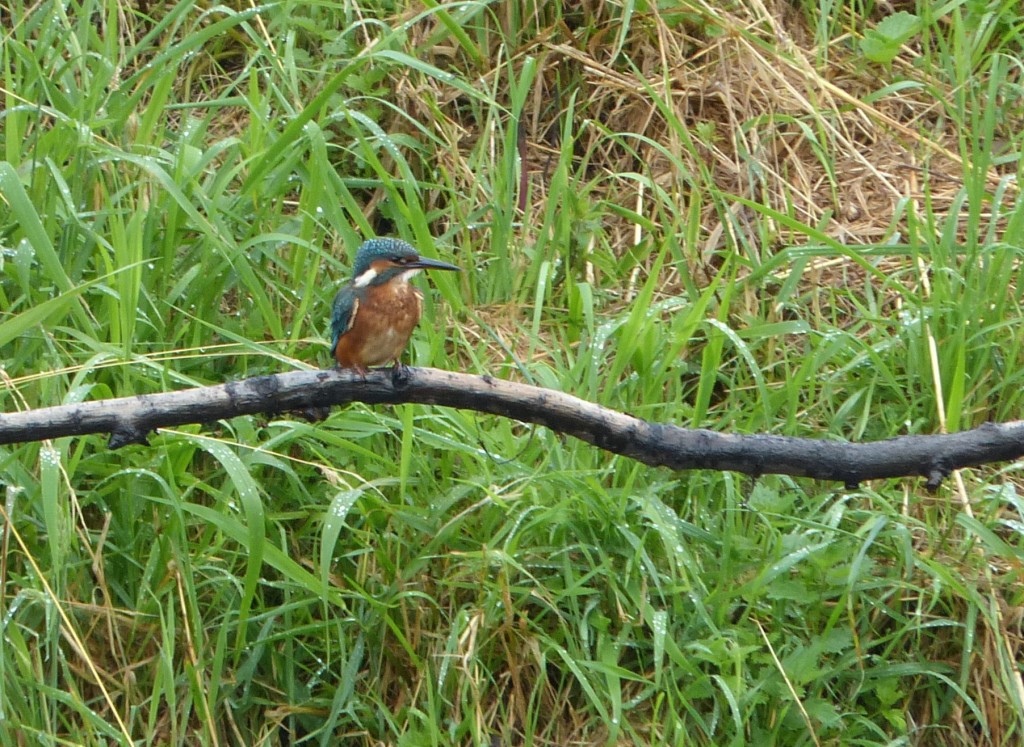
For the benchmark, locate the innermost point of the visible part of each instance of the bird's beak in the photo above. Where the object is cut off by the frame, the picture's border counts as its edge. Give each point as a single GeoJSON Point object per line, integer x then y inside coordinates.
{"type": "Point", "coordinates": [432, 264]}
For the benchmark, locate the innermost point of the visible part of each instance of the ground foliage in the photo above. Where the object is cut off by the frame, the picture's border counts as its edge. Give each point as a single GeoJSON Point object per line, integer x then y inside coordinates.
{"type": "Point", "coordinates": [752, 216]}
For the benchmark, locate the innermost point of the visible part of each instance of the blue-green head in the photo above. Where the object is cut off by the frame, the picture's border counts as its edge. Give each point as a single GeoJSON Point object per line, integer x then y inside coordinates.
{"type": "Point", "coordinates": [379, 261]}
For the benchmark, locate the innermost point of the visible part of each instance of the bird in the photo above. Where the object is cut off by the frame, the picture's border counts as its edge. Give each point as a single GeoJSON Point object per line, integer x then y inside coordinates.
{"type": "Point", "coordinates": [373, 315]}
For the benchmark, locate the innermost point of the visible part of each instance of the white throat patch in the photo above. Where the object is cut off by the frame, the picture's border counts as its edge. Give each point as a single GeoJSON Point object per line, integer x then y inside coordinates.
{"type": "Point", "coordinates": [365, 279]}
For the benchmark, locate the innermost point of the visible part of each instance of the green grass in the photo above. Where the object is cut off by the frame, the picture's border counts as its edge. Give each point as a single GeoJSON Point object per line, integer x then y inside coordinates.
{"type": "Point", "coordinates": [702, 216]}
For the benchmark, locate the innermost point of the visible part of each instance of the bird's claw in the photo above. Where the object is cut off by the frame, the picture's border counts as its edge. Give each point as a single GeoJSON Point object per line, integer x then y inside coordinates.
{"type": "Point", "coordinates": [399, 375]}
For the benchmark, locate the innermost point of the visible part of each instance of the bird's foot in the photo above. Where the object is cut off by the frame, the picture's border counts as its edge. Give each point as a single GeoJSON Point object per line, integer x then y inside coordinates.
{"type": "Point", "coordinates": [361, 370]}
{"type": "Point", "coordinates": [399, 375]}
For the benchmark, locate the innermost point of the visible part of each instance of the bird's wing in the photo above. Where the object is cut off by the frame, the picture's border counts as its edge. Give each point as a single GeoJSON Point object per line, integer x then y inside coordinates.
{"type": "Point", "coordinates": [343, 314]}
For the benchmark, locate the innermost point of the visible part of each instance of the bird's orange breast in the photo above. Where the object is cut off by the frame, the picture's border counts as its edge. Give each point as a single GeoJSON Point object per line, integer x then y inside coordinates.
{"type": "Point", "coordinates": [385, 316]}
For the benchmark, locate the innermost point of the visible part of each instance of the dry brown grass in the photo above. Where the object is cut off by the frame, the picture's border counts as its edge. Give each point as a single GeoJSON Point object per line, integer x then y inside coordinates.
{"type": "Point", "coordinates": [772, 118]}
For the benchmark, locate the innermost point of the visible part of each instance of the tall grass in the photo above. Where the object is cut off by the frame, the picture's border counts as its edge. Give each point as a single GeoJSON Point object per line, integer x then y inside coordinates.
{"type": "Point", "coordinates": [702, 215]}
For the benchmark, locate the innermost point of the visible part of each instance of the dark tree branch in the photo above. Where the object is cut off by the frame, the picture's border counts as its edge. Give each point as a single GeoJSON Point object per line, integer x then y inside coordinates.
{"type": "Point", "coordinates": [130, 419]}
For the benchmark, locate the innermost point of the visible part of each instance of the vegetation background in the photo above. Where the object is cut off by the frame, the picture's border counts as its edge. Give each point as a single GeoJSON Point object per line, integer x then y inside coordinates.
{"type": "Point", "coordinates": [748, 215]}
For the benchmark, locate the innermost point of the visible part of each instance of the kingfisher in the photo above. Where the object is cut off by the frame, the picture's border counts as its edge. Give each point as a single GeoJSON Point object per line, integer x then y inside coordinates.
{"type": "Point", "coordinates": [373, 315]}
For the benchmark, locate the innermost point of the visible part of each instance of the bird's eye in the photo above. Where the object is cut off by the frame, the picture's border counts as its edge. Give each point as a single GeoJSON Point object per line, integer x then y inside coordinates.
{"type": "Point", "coordinates": [400, 259]}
